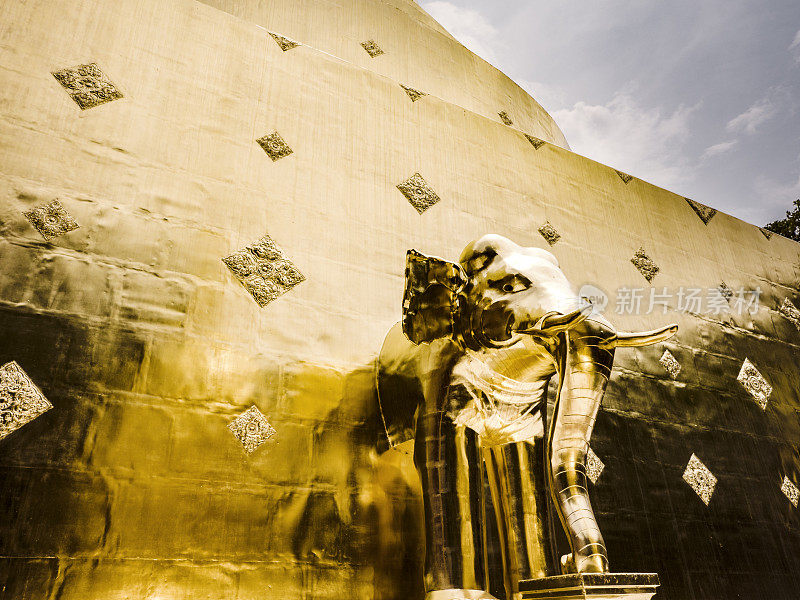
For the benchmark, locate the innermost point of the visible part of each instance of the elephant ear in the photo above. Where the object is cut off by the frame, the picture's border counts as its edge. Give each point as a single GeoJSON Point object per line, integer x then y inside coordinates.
{"type": "Point", "coordinates": [431, 297]}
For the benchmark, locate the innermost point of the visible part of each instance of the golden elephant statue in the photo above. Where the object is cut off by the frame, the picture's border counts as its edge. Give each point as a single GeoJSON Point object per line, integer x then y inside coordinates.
{"type": "Point", "coordinates": [465, 374]}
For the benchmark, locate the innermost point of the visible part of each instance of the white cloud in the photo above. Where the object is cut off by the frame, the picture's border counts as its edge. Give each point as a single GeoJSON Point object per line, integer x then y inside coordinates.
{"type": "Point", "coordinates": [777, 196]}
{"type": "Point", "coordinates": [795, 45]}
{"type": "Point", "coordinates": [760, 112]}
{"type": "Point", "coordinates": [718, 149]}
{"type": "Point", "coordinates": [551, 97]}
{"type": "Point", "coordinates": [468, 26]}
{"type": "Point", "coordinates": [646, 142]}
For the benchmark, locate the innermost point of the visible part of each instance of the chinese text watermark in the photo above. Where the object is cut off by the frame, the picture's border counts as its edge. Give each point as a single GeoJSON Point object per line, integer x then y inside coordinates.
{"type": "Point", "coordinates": [696, 300]}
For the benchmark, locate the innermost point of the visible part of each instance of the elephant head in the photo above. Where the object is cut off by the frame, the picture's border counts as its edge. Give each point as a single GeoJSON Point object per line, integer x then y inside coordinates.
{"type": "Point", "coordinates": [497, 292]}
{"type": "Point", "coordinates": [502, 297]}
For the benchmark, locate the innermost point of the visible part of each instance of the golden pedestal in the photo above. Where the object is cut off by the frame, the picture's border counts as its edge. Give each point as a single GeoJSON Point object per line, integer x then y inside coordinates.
{"type": "Point", "coordinates": [591, 586]}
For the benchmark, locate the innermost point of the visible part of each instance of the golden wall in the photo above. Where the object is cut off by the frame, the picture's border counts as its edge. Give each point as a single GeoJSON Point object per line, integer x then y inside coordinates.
{"type": "Point", "coordinates": [147, 345]}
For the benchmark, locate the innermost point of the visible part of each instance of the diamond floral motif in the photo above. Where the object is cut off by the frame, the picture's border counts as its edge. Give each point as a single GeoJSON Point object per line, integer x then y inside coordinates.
{"type": "Point", "coordinates": [283, 42]}
{"type": "Point", "coordinates": [505, 118]}
{"type": "Point", "coordinates": [20, 400]}
{"type": "Point", "coordinates": [791, 312]}
{"type": "Point", "coordinates": [790, 491]}
{"type": "Point", "coordinates": [418, 193]}
{"type": "Point", "coordinates": [767, 233]}
{"type": "Point", "coordinates": [412, 93]}
{"type": "Point", "coordinates": [624, 176]}
{"type": "Point", "coordinates": [700, 479]}
{"type": "Point", "coordinates": [87, 85]}
{"type": "Point", "coordinates": [252, 429]}
{"type": "Point", "coordinates": [670, 363]}
{"type": "Point", "coordinates": [645, 264]}
{"type": "Point", "coordinates": [51, 220]}
{"type": "Point", "coordinates": [725, 291]}
{"type": "Point", "coordinates": [274, 146]}
{"type": "Point", "coordinates": [754, 383]}
{"type": "Point", "coordinates": [594, 466]}
{"type": "Point", "coordinates": [706, 213]}
{"type": "Point", "coordinates": [264, 270]}
{"type": "Point", "coordinates": [535, 142]}
{"type": "Point", "coordinates": [372, 48]}
{"type": "Point", "coordinates": [549, 233]}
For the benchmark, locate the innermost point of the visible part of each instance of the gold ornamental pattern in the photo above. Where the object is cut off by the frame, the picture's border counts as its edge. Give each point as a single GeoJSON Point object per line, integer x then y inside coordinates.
{"type": "Point", "coordinates": [252, 429]}
{"type": "Point", "coordinates": [791, 312]}
{"type": "Point", "coordinates": [372, 48]}
{"type": "Point", "coordinates": [790, 490]}
{"type": "Point", "coordinates": [535, 142]}
{"type": "Point", "coordinates": [700, 478]}
{"type": "Point", "coordinates": [274, 146]}
{"type": "Point", "coordinates": [549, 233]}
{"type": "Point", "coordinates": [20, 400]}
{"type": "Point", "coordinates": [264, 270]}
{"type": "Point", "coordinates": [647, 267]}
{"type": "Point", "coordinates": [51, 220]}
{"type": "Point", "coordinates": [726, 291]}
{"type": "Point", "coordinates": [706, 213]}
{"type": "Point", "coordinates": [284, 42]}
{"type": "Point", "coordinates": [87, 85]}
{"type": "Point", "coordinates": [755, 384]}
{"type": "Point", "coordinates": [626, 179]}
{"type": "Point", "coordinates": [594, 466]}
{"type": "Point", "coordinates": [670, 363]}
{"type": "Point", "coordinates": [418, 193]}
{"type": "Point", "coordinates": [412, 93]}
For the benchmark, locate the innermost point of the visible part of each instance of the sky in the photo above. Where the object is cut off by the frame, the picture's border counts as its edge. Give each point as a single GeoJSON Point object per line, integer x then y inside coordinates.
{"type": "Point", "coordinates": [699, 97]}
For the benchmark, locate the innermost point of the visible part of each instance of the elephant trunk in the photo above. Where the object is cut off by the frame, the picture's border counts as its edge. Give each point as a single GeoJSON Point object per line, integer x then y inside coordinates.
{"type": "Point", "coordinates": [586, 368]}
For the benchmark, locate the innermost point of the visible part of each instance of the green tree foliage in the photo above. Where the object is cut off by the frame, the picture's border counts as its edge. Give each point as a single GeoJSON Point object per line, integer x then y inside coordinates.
{"type": "Point", "coordinates": [790, 226]}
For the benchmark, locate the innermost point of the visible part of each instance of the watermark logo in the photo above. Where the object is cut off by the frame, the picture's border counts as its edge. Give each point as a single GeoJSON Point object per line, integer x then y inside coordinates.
{"type": "Point", "coordinates": [595, 296]}
{"type": "Point", "coordinates": [695, 300]}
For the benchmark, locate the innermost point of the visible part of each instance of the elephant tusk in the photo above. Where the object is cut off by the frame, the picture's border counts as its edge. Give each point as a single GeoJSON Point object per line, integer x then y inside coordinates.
{"type": "Point", "coordinates": [536, 330]}
{"type": "Point", "coordinates": [645, 338]}
{"type": "Point", "coordinates": [553, 322]}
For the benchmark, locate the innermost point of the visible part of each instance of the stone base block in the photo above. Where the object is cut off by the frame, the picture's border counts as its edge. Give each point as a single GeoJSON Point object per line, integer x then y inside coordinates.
{"type": "Point", "coordinates": [590, 586]}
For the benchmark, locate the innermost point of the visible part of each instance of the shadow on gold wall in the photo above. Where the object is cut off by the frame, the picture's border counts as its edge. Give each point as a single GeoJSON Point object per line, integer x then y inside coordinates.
{"type": "Point", "coordinates": [133, 486]}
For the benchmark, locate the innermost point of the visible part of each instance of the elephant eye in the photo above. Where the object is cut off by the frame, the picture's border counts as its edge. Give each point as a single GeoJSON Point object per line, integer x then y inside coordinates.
{"type": "Point", "coordinates": [476, 264]}
{"type": "Point", "coordinates": [515, 283]}
{"type": "Point", "coordinates": [479, 262]}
